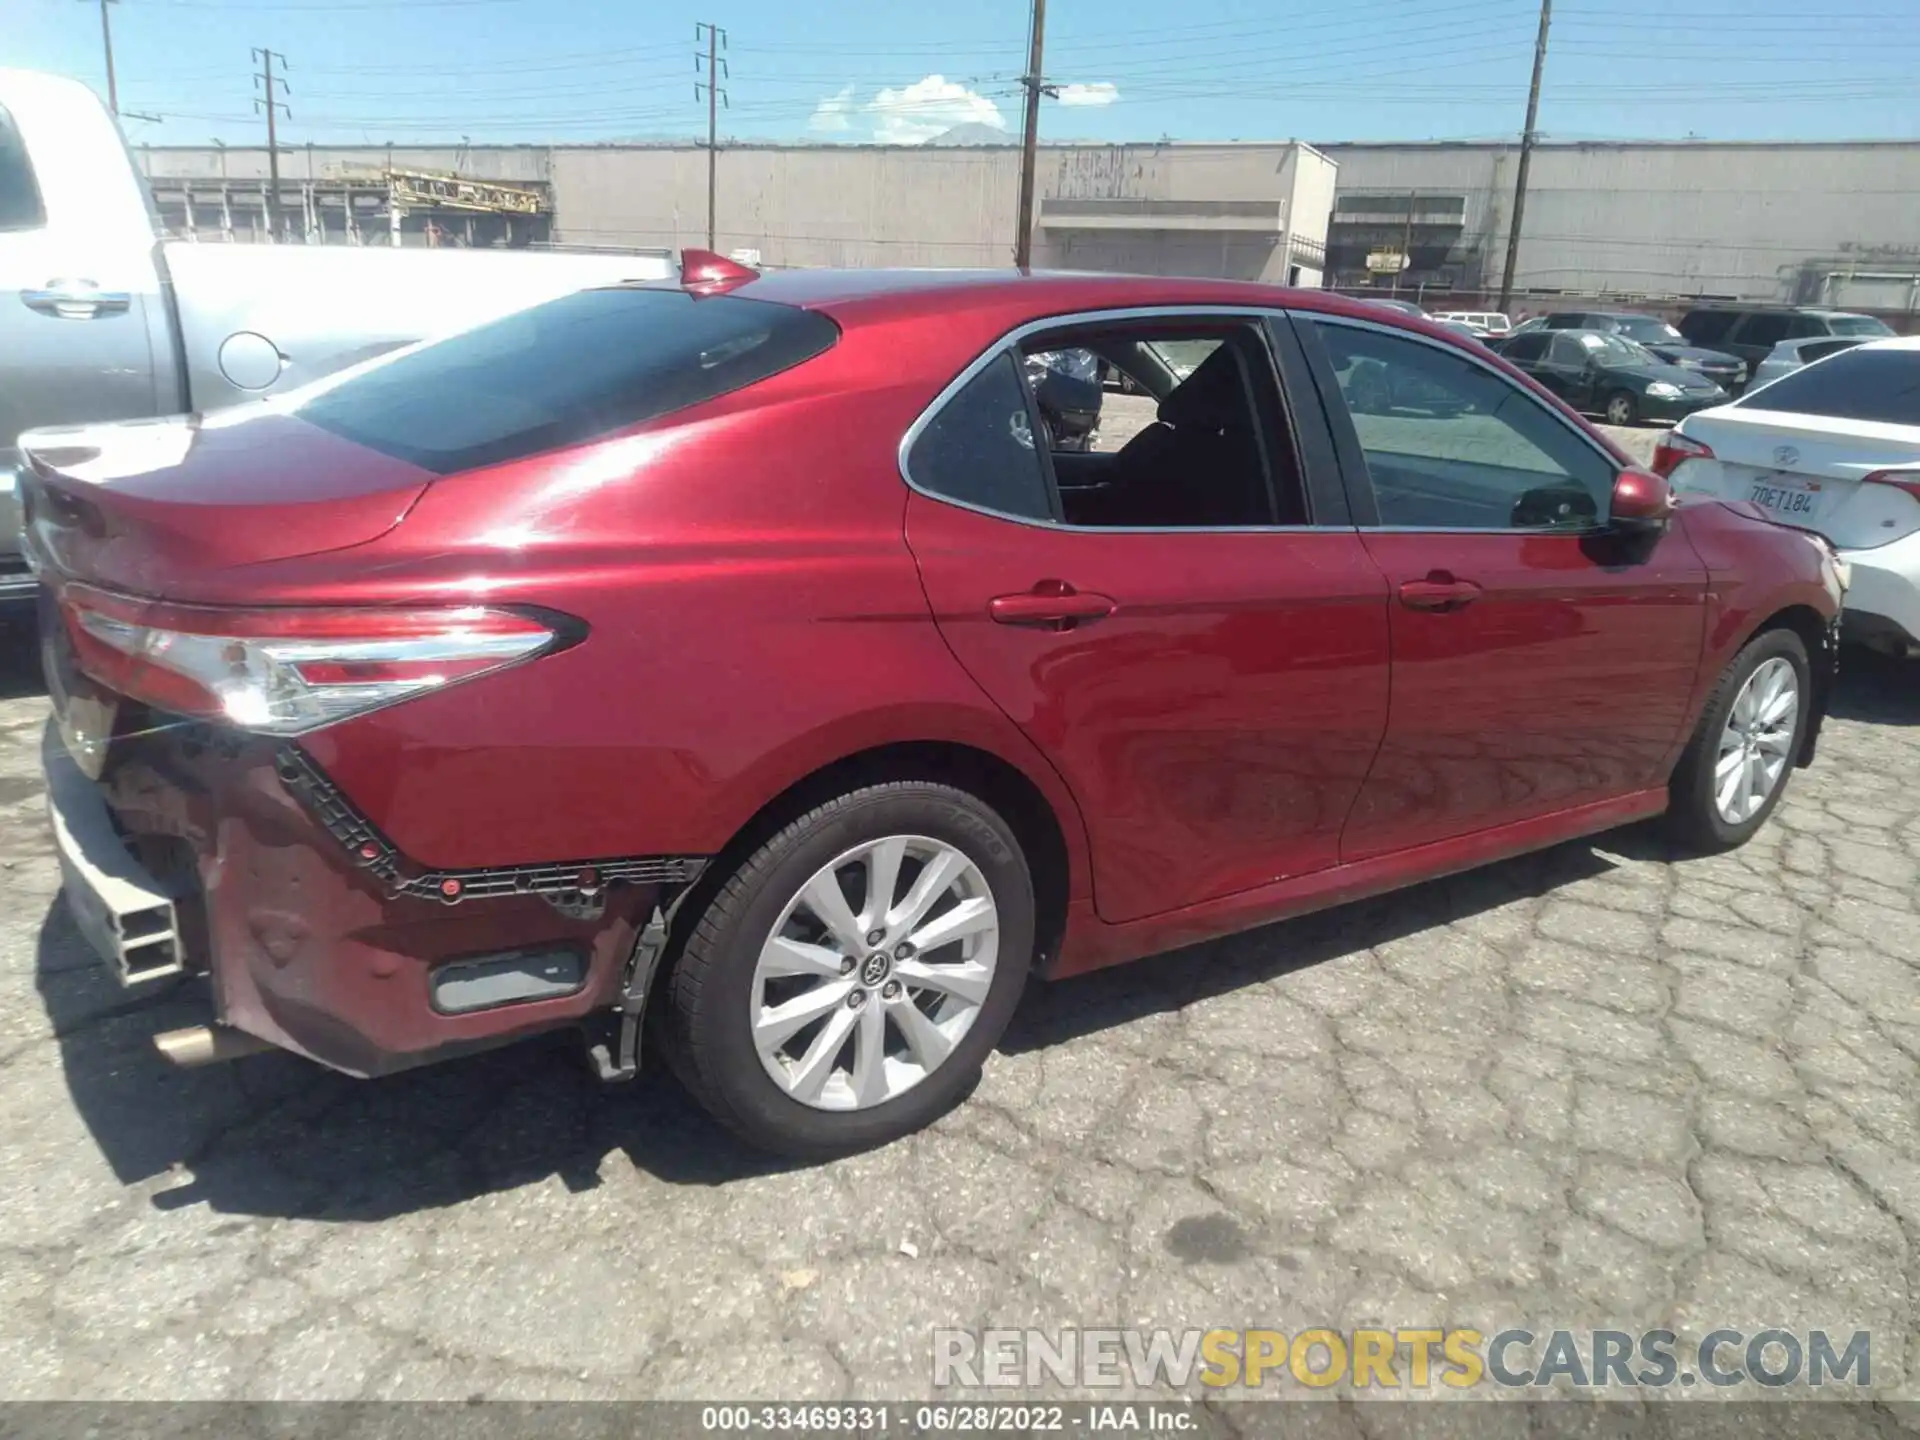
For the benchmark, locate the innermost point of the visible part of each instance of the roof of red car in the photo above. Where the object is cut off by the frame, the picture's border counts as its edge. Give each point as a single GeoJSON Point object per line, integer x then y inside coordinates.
{"type": "Point", "coordinates": [856, 295]}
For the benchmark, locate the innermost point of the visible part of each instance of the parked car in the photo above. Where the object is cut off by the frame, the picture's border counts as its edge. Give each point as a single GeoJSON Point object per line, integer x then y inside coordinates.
{"type": "Point", "coordinates": [1405, 307]}
{"type": "Point", "coordinates": [1655, 336]}
{"type": "Point", "coordinates": [1791, 355]}
{"type": "Point", "coordinates": [1751, 331]}
{"type": "Point", "coordinates": [1483, 322]}
{"type": "Point", "coordinates": [102, 320]}
{"type": "Point", "coordinates": [738, 651]}
{"type": "Point", "coordinates": [1460, 328]}
{"type": "Point", "coordinates": [1608, 375]}
{"type": "Point", "coordinates": [1833, 448]}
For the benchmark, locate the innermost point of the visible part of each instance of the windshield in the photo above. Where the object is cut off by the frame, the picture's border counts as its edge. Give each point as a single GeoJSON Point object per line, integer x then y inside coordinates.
{"type": "Point", "coordinates": [1856, 325]}
{"type": "Point", "coordinates": [1649, 331]}
{"type": "Point", "coordinates": [1614, 352]}
{"type": "Point", "coordinates": [562, 373]}
{"type": "Point", "coordinates": [1875, 385]}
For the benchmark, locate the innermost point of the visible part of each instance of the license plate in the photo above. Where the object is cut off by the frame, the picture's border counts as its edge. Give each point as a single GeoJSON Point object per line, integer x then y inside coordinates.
{"type": "Point", "coordinates": [1789, 499]}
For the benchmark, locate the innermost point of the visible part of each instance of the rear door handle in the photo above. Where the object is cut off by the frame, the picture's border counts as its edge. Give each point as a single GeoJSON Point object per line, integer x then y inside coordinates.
{"type": "Point", "coordinates": [75, 300]}
{"type": "Point", "coordinates": [1051, 605]}
{"type": "Point", "coordinates": [1439, 591]}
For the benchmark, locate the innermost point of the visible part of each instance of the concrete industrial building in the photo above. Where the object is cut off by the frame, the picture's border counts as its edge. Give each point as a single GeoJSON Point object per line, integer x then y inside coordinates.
{"type": "Point", "coordinates": [1832, 224]}
{"type": "Point", "coordinates": [1244, 210]}
{"type": "Point", "coordinates": [1814, 223]}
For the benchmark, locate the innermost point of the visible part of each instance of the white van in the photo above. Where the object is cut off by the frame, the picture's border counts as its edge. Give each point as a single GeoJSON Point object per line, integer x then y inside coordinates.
{"type": "Point", "coordinates": [1487, 322]}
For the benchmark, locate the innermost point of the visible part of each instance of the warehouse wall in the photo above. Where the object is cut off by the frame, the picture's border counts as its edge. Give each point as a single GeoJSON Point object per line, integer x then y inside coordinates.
{"type": "Point", "coordinates": [1757, 221]}
{"type": "Point", "coordinates": [802, 206]}
{"type": "Point", "coordinates": [1747, 220]}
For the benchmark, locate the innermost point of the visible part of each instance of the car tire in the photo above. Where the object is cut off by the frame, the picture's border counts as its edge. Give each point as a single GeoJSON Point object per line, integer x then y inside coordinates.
{"type": "Point", "coordinates": [718, 985]}
{"type": "Point", "coordinates": [1622, 408]}
{"type": "Point", "coordinates": [1696, 814]}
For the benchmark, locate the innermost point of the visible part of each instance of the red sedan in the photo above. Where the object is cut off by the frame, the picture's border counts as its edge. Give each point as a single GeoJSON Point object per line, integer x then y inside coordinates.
{"type": "Point", "coordinates": [743, 652]}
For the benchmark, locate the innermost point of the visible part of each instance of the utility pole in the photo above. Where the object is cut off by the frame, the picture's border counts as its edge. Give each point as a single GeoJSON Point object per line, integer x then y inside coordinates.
{"type": "Point", "coordinates": [266, 80]}
{"type": "Point", "coordinates": [1526, 156]}
{"type": "Point", "coordinates": [106, 41]}
{"type": "Point", "coordinates": [1406, 245]}
{"type": "Point", "coordinates": [716, 96]}
{"type": "Point", "coordinates": [1030, 135]}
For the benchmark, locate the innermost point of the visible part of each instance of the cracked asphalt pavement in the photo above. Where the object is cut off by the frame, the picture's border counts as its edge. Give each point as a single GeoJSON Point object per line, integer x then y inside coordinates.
{"type": "Point", "coordinates": [1595, 1087]}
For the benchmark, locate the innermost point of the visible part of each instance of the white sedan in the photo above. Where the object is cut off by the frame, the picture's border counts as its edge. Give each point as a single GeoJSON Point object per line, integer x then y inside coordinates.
{"type": "Point", "coordinates": [1833, 448]}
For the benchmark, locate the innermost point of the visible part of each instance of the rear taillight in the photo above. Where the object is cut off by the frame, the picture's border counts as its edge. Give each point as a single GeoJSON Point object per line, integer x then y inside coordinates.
{"type": "Point", "coordinates": [1907, 480]}
{"type": "Point", "coordinates": [1673, 449]}
{"type": "Point", "coordinates": [290, 671]}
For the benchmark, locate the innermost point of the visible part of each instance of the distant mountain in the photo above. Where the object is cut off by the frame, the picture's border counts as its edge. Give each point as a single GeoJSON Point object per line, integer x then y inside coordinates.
{"type": "Point", "coordinates": [972, 132]}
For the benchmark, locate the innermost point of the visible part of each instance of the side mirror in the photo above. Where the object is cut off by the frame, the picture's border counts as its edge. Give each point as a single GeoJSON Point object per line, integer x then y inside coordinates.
{"type": "Point", "coordinates": [1642, 503]}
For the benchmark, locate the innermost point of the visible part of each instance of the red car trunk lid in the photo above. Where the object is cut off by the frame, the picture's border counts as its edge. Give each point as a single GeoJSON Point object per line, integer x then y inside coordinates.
{"type": "Point", "coordinates": [146, 507]}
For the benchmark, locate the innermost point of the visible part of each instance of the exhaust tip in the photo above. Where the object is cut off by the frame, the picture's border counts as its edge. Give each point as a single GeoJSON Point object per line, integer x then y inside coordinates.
{"type": "Point", "coordinates": [198, 1045]}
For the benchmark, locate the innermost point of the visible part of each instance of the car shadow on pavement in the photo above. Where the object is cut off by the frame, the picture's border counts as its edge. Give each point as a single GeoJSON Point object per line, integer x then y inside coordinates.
{"type": "Point", "coordinates": [1876, 688]}
{"type": "Point", "coordinates": [274, 1135]}
{"type": "Point", "coordinates": [1053, 1014]}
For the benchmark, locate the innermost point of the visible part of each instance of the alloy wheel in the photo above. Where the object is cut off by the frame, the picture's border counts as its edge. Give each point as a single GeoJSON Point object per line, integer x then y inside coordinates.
{"type": "Point", "coordinates": [1757, 742]}
{"type": "Point", "coordinates": [1619, 410]}
{"type": "Point", "coordinates": [874, 972]}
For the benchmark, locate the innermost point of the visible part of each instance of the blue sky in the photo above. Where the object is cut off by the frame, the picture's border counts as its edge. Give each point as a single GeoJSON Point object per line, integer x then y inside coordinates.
{"type": "Point", "coordinates": [854, 70]}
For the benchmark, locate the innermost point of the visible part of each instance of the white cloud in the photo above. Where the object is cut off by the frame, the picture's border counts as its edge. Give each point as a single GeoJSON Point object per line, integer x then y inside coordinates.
{"type": "Point", "coordinates": [833, 114]}
{"type": "Point", "coordinates": [1100, 92]}
{"type": "Point", "coordinates": [916, 113]}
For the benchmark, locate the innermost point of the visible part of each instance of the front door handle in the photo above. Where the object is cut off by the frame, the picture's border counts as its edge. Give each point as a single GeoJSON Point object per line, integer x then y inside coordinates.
{"type": "Point", "coordinates": [1439, 591]}
{"type": "Point", "coordinates": [1051, 605]}
{"type": "Point", "coordinates": [76, 300]}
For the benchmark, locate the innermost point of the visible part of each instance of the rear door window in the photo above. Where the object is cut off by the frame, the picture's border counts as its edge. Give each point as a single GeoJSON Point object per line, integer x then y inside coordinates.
{"type": "Point", "coordinates": [20, 204]}
{"type": "Point", "coordinates": [978, 449]}
{"type": "Point", "coordinates": [1704, 327]}
{"type": "Point", "coordinates": [1570, 350]}
{"type": "Point", "coordinates": [1764, 330]}
{"type": "Point", "coordinates": [562, 373]}
{"type": "Point", "coordinates": [1862, 325]}
{"type": "Point", "coordinates": [1820, 349]}
{"type": "Point", "coordinates": [1875, 385]}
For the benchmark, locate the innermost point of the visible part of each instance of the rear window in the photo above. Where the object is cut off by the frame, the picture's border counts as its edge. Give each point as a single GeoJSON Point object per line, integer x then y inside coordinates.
{"type": "Point", "coordinates": [563, 373]}
{"type": "Point", "coordinates": [1875, 385]}
{"type": "Point", "coordinates": [1856, 325]}
{"type": "Point", "coordinates": [20, 207]}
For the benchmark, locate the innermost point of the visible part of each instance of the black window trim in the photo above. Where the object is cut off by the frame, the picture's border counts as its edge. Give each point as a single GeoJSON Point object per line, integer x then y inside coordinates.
{"type": "Point", "coordinates": [1353, 459]}
{"type": "Point", "coordinates": [1260, 318]}
{"type": "Point", "coordinates": [37, 218]}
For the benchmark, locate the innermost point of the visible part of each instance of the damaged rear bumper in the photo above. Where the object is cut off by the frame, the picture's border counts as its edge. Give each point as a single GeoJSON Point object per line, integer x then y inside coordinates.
{"type": "Point", "coordinates": [202, 850]}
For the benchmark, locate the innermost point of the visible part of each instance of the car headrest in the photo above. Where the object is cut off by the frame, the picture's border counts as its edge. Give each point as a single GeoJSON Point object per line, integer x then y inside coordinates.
{"type": "Point", "coordinates": [1211, 398]}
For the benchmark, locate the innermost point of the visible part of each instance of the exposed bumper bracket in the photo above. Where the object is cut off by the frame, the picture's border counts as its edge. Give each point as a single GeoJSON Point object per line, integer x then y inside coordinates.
{"type": "Point", "coordinates": [621, 1060]}
{"type": "Point", "coordinates": [125, 914]}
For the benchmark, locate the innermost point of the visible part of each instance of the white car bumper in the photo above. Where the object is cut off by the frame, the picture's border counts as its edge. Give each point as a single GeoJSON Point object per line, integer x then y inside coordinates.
{"type": "Point", "coordinates": [1885, 585]}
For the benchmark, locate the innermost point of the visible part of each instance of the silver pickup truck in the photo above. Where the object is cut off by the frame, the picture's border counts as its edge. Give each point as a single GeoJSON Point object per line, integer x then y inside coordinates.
{"type": "Point", "coordinates": [101, 319]}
